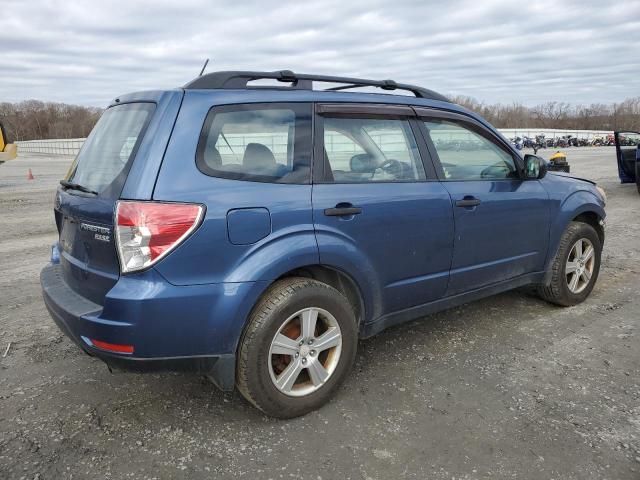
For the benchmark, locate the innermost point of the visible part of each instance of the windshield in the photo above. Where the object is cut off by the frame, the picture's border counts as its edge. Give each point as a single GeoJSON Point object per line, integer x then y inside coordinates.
{"type": "Point", "coordinates": [108, 149]}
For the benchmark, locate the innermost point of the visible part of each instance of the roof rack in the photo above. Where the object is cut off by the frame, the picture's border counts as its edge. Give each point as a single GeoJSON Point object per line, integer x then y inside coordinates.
{"type": "Point", "coordinates": [302, 81]}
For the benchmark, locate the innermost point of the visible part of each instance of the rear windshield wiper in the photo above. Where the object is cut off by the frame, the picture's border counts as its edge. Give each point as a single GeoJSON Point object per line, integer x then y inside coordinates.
{"type": "Point", "coordinates": [77, 186]}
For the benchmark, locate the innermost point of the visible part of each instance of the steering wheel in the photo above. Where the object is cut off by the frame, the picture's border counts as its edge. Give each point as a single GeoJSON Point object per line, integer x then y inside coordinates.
{"type": "Point", "coordinates": [497, 170]}
{"type": "Point", "coordinates": [392, 167]}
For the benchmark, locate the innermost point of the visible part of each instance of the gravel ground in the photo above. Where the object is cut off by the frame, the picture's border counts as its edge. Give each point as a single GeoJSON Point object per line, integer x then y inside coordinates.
{"type": "Point", "coordinates": [507, 387]}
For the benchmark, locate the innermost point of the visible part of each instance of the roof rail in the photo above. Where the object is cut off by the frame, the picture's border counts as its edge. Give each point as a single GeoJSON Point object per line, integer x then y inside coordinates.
{"type": "Point", "coordinates": [302, 81]}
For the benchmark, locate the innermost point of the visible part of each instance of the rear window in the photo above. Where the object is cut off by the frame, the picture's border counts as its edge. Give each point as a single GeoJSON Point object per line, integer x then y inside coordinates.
{"type": "Point", "coordinates": [260, 142]}
{"type": "Point", "coordinates": [104, 158]}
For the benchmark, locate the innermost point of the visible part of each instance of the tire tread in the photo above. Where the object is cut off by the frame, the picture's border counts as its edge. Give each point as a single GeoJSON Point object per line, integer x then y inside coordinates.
{"type": "Point", "coordinates": [276, 295]}
{"type": "Point", "coordinates": [552, 292]}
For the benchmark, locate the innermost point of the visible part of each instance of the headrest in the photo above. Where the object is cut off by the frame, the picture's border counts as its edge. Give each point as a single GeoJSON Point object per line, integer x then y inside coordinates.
{"type": "Point", "coordinates": [363, 163]}
{"type": "Point", "coordinates": [212, 157]}
{"type": "Point", "coordinates": [258, 156]}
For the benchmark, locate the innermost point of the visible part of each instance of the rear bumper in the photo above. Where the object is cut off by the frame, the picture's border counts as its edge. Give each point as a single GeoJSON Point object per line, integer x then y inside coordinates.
{"type": "Point", "coordinates": [172, 328]}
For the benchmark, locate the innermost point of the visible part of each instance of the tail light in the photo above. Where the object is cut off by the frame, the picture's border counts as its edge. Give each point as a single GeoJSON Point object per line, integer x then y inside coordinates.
{"type": "Point", "coordinates": [147, 231]}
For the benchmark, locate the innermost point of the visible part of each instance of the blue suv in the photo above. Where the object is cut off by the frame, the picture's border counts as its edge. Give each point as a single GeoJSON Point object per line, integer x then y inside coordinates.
{"type": "Point", "coordinates": [251, 228]}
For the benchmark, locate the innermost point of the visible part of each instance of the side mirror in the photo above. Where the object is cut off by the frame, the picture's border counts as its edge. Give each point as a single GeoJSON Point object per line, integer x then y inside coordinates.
{"type": "Point", "coordinates": [534, 167]}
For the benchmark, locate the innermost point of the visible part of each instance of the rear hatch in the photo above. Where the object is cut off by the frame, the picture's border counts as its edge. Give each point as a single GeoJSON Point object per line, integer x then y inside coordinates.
{"type": "Point", "coordinates": [85, 202]}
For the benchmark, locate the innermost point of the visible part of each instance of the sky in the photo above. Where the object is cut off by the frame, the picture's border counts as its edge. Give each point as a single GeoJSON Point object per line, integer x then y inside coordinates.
{"type": "Point", "coordinates": [89, 52]}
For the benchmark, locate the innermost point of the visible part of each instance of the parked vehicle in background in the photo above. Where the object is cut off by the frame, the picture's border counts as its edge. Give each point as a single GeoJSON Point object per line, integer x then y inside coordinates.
{"type": "Point", "coordinates": [561, 142]}
{"type": "Point", "coordinates": [558, 162]}
{"type": "Point", "coordinates": [528, 142]}
{"type": "Point", "coordinates": [255, 233]}
{"type": "Point", "coordinates": [540, 141]}
{"type": "Point", "coordinates": [628, 156]}
{"type": "Point", "coordinates": [518, 142]}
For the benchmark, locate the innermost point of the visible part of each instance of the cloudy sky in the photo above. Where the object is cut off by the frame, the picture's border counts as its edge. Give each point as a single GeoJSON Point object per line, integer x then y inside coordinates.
{"type": "Point", "coordinates": [88, 52]}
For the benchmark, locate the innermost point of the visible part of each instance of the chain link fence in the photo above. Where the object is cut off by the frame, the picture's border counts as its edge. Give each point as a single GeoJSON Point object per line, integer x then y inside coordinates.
{"type": "Point", "coordinates": [69, 146]}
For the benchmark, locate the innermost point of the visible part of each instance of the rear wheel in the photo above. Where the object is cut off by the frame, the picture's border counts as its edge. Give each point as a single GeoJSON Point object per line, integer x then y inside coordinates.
{"type": "Point", "coordinates": [576, 266]}
{"type": "Point", "coordinates": [298, 348]}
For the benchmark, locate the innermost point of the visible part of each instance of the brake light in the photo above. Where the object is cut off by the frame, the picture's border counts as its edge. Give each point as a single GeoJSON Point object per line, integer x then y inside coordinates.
{"type": "Point", "coordinates": [147, 231]}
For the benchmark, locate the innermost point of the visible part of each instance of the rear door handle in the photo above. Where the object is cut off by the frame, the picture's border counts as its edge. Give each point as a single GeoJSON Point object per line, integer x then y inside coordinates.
{"type": "Point", "coordinates": [468, 201]}
{"type": "Point", "coordinates": [342, 210]}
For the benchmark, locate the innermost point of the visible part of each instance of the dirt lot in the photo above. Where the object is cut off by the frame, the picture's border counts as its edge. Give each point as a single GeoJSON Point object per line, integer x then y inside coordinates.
{"type": "Point", "coordinates": [508, 387]}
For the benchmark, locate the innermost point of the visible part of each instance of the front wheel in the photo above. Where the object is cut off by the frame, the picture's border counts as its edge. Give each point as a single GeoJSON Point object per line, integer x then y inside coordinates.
{"type": "Point", "coordinates": [576, 266]}
{"type": "Point", "coordinates": [298, 347]}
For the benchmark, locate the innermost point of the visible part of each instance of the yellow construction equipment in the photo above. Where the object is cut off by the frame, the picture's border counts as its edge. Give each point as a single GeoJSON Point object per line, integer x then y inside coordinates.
{"type": "Point", "coordinates": [8, 151]}
{"type": "Point", "coordinates": [558, 162]}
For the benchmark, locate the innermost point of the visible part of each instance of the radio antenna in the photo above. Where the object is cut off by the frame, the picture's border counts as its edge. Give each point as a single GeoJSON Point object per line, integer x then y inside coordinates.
{"type": "Point", "coordinates": [206, 62]}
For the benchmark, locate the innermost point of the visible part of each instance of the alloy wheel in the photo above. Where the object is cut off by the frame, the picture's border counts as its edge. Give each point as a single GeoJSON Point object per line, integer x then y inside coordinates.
{"type": "Point", "coordinates": [305, 352]}
{"type": "Point", "coordinates": [580, 265]}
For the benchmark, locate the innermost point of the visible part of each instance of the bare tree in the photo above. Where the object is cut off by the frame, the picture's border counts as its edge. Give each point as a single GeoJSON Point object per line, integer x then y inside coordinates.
{"type": "Point", "coordinates": [597, 116]}
{"type": "Point", "coordinates": [33, 119]}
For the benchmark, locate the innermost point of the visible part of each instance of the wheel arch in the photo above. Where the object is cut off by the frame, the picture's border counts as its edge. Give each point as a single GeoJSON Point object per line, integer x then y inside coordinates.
{"type": "Point", "coordinates": [582, 206]}
{"type": "Point", "coordinates": [337, 279]}
{"type": "Point", "coordinates": [333, 277]}
{"type": "Point", "coordinates": [592, 218]}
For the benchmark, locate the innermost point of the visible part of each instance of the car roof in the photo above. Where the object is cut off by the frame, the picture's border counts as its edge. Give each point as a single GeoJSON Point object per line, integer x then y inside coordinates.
{"type": "Point", "coordinates": [282, 95]}
{"type": "Point", "coordinates": [286, 80]}
{"type": "Point", "coordinates": [268, 95]}
{"type": "Point", "coordinates": [230, 87]}
{"type": "Point", "coordinates": [302, 81]}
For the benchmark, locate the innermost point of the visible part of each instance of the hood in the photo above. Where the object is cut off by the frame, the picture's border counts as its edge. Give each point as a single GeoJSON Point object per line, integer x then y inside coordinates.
{"type": "Point", "coordinates": [568, 175]}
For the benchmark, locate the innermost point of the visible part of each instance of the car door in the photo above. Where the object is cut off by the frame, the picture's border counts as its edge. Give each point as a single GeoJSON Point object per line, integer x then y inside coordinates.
{"type": "Point", "coordinates": [378, 209]}
{"type": "Point", "coordinates": [501, 220]}
{"type": "Point", "coordinates": [628, 156]}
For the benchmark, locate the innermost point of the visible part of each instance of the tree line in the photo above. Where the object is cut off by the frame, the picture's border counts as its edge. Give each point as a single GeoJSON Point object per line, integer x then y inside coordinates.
{"type": "Point", "coordinates": [33, 119]}
{"type": "Point", "coordinates": [597, 116]}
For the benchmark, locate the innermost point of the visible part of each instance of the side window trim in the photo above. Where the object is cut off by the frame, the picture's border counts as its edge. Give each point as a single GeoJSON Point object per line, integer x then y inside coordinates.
{"type": "Point", "coordinates": [427, 113]}
{"type": "Point", "coordinates": [318, 159]}
{"type": "Point", "coordinates": [431, 148]}
{"type": "Point", "coordinates": [381, 111]}
{"type": "Point", "coordinates": [302, 132]}
{"type": "Point", "coordinates": [430, 164]}
{"type": "Point", "coordinates": [365, 109]}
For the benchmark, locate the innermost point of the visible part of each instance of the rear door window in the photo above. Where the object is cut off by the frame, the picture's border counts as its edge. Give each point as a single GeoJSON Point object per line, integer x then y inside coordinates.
{"type": "Point", "coordinates": [103, 161]}
{"type": "Point", "coordinates": [361, 150]}
{"type": "Point", "coordinates": [263, 142]}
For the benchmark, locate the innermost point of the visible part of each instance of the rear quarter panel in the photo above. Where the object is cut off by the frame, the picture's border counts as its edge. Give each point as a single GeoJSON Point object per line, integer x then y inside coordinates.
{"type": "Point", "coordinates": [208, 256]}
{"type": "Point", "coordinates": [144, 170]}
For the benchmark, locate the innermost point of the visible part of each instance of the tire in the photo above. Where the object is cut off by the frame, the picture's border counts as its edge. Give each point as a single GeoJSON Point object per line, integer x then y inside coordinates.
{"type": "Point", "coordinates": [277, 313]}
{"type": "Point", "coordinates": [559, 290]}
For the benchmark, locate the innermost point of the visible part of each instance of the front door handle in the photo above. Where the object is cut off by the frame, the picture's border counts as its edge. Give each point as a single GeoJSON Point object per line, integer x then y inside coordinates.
{"type": "Point", "coordinates": [468, 201]}
{"type": "Point", "coordinates": [342, 210]}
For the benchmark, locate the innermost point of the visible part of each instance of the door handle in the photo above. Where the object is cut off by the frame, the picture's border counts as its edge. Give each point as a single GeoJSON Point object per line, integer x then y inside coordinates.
{"type": "Point", "coordinates": [468, 201]}
{"type": "Point", "coordinates": [342, 210]}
